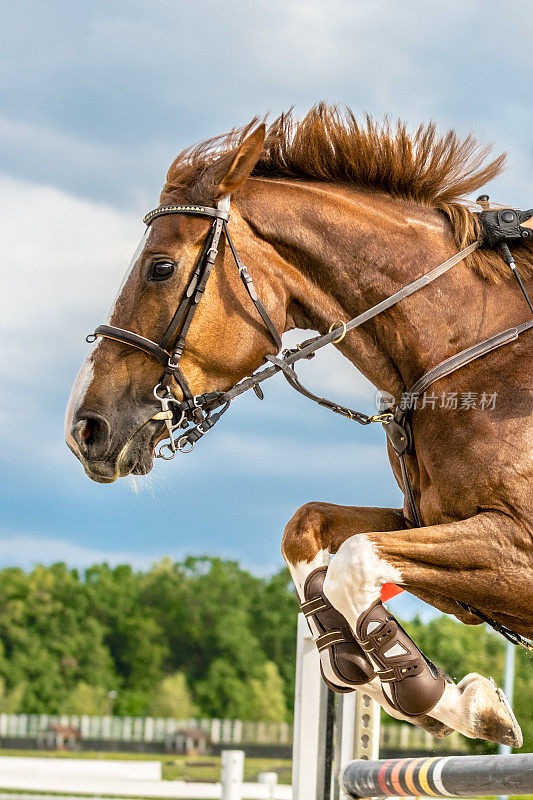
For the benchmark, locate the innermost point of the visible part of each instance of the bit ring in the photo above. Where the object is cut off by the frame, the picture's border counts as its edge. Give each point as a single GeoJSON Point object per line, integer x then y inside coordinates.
{"type": "Point", "coordinates": [182, 445]}
{"type": "Point", "coordinates": [171, 450]}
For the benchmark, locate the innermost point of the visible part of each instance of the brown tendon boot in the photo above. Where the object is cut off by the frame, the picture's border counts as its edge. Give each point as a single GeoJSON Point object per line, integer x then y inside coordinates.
{"type": "Point", "coordinates": [347, 660]}
{"type": "Point", "coordinates": [411, 683]}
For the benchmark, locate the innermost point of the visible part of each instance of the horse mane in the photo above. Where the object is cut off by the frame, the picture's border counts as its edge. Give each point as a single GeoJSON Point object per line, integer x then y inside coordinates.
{"type": "Point", "coordinates": [424, 167]}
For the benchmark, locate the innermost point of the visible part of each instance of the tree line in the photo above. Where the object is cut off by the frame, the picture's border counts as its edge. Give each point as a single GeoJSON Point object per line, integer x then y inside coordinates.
{"type": "Point", "coordinates": [201, 637]}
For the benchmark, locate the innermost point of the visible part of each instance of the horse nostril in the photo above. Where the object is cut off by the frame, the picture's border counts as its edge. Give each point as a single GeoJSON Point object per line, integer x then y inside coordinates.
{"type": "Point", "coordinates": [91, 434]}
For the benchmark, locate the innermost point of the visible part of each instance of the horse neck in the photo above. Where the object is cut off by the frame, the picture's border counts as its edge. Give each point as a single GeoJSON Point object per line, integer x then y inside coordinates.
{"type": "Point", "coordinates": [341, 250]}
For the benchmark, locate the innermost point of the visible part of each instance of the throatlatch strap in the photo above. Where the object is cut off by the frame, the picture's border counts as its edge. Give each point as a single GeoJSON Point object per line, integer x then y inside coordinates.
{"type": "Point", "coordinates": [250, 288]}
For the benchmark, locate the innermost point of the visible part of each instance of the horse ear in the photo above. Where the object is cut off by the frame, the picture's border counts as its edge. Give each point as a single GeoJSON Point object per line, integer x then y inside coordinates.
{"type": "Point", "coordinates": [244, 160]}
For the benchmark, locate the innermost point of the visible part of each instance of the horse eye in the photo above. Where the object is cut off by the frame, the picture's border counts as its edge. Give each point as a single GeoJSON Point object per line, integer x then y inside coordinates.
{"type": "Point", "coordinates": [162, 270]}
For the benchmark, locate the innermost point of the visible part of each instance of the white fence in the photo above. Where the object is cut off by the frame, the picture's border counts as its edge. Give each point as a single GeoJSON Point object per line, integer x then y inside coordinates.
{"type": "Point", "coordinates": [146, 729]}
{"type": "Point", "coordinates": [108, 779]}
{"type": "Point", "coordinates": [224, 732]}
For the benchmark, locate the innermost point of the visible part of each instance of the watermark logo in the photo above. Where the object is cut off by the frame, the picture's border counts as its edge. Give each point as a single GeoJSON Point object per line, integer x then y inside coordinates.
{"type": "Point", "coordinates": [384, 401]}
{"type": "Point", "coordinates": [449, 401]}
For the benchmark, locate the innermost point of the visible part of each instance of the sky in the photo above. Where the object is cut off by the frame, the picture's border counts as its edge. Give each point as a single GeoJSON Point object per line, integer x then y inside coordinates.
{"type": "Point", "coordinates": [96, 100]}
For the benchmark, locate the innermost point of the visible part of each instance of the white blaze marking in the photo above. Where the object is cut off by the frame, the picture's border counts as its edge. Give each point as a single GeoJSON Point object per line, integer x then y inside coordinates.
{"type": "Point", "coordinates": [77, 395]}
{"type": "Point", "coordinates": [85, 375]}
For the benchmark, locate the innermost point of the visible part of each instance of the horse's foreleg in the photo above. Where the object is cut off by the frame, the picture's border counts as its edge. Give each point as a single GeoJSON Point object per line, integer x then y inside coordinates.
{"type": "Point", "coordinates": [315, 532]}
{"type": "Point", "coordinates": [461, 560]}
{"type": "Point", "coordinates": [485, 561]}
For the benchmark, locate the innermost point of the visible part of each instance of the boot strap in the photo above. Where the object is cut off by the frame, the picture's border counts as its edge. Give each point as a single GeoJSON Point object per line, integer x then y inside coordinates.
{"type": "Point", "coordinates": [311, 607]}
{"type": "Point", "coordinates": [329, 639]}
{"type": "Point", "coordinates": [397, 672]}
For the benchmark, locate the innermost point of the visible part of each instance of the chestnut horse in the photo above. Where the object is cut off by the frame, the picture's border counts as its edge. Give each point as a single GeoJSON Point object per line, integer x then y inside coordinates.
{"type": "Point", "coordinates": [331, 217]}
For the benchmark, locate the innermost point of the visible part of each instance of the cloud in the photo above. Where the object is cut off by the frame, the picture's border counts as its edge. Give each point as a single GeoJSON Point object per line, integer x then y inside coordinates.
{"type": "Point", "coordinates": [50, 153]}
{"type": "Point", "coordinates": [116, 90]}
{"type": "Point", "coordinates": [287, 456]}
{"type": "Point", "coordinates": [63, 260]}
{"type": "Point", "coordinates": [26, 550]}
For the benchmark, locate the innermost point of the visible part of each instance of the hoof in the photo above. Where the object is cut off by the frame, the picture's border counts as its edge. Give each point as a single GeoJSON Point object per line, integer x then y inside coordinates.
{"type": "Point", "coordinates": [491, 715]}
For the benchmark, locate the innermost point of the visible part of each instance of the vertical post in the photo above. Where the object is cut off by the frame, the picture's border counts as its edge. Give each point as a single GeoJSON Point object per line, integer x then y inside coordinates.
{"type": "Point", "coordinates": [270, 780]}
{"type": "Point", "coordinates": [358, 731]}
{"type": "Point", "coordinates": [508, 688]}
{"type": "Point", "coordinates": [232, 774]}
{"type": "Point", "coordinates": [326, 729]}
{"type": "Point", "coordinates": [366, 742]}
{"type": "Point", "coordinates": [307, 744]}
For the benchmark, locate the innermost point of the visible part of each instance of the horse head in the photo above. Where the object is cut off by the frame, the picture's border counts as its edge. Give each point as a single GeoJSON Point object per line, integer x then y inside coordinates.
{"type": "Point", "coordinates": [110, 423]}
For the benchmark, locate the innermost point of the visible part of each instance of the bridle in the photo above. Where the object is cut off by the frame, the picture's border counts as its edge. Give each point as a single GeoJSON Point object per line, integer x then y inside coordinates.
{"type": "Point", "coordinates": [204, 410]}
{"type": "Point", "coordinates": [192, 408]}
{"type": "Point", "coordinates": [498, 228]}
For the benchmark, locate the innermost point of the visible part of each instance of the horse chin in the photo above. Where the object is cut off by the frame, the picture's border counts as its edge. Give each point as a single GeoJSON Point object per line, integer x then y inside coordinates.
{"type": "Point", "coordinates": [137, 457]}
{"type": "Point", "coordinates": [98, 478]}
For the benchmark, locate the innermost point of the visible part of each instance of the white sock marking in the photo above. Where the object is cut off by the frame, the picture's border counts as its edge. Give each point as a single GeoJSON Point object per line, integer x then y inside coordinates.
{"type": "Point", "coordinates": [302, 569]}
{"type": "Point", "coordinates": [355, 577]}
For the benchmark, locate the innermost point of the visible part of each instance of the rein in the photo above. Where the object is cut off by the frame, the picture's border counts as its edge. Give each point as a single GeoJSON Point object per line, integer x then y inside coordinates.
{"type": "Point", "coordinates": [203, 411]}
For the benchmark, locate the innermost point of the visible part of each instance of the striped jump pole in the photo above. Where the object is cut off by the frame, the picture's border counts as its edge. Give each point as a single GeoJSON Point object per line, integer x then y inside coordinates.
{"type": "Point", "coordinates": [452, 776]}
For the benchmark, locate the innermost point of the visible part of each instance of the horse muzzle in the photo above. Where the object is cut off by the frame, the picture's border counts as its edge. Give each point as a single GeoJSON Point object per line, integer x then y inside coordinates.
{"type": "Point", "coordinates": [109, 449]}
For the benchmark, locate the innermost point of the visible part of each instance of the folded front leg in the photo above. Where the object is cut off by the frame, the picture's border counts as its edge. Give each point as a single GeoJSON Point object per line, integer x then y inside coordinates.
{"type": "Point", "coordinates": [315, 532]}
{"type": "Point", "coordinates": [411, 683]}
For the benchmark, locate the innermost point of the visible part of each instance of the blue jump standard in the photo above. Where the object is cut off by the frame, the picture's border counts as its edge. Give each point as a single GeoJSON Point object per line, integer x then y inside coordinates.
{"type": "Point", "coordinates": [452, 776]}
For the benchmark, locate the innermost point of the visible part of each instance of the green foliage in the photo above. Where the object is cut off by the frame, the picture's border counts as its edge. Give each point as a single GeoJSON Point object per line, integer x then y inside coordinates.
{"type": "Point", "coordinates": [50, 640]}
{"type": "Point", "coordinates": [11, 702]}
{"type": "Point", "coordinates": [266, 698]}
{"type": "Point", "coordinates": [172, 698]}
{"type": "Point", "coordinates": [198, 637]}
{"type": "Point", "coordinates": [85, 699]}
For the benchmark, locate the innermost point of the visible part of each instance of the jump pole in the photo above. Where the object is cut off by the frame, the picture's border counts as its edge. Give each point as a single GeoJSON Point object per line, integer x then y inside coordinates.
{"type": "Point", "coordinates": [450, 776]}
